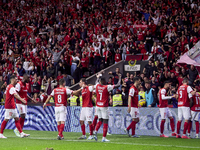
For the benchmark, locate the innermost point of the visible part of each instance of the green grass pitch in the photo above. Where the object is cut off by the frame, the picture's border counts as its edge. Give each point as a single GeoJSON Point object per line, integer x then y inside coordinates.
{"type": "Point", "coordinates": [40, 140]}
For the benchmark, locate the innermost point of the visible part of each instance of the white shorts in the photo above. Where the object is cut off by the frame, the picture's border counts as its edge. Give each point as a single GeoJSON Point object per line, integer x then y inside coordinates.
{"type": "Point", "coordinates": [165, 113]}
{"type": "Point", "coordinates": [195, 115]}
{"type": "Point", "coordinates": [61, 113]}
{"type": "Point", "coordinates": [184, 112]}
{"type": "Point", "coordinates": [134, 112]}
{"type": "Point", "coordinates": [11, 113]}
{"type": "Point", "coordinates": [95, 111]}
{"type": "Point", "coordinates": [86, 113]}
{"type": "Point", "coordinates": [22, 108]}
{"type": "Point", "coordinates": [102, 112]}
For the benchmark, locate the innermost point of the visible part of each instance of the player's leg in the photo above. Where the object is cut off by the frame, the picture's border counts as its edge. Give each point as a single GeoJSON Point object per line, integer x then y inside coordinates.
{"type": "Point", "coordinates": [186, 116]}
{"type": "Point", "coordinates": [190, 123]}
{"type": "Point", "coordinates": [62, 115]}
{"type": "Point", "coordinates": [163, 114]}
{"type": "Point", "coordinates": [95, 119]}
{"type": "Point", "coordinates": [180, 116]}
{"type": "Point", "coordinates": [196, 119]}
{"type": "Point", "coordinates": [17, 124]}
{"type": "Point", "coordinates": [135, 121]}
{"type": "Point", "coordinates": [169, 115]}
{"type": "Point", "coordinates": [89, 112]}
{"type": "Point", "coordinates": [82, 119]}
{"type": "Point", "coordinates": [99, 113]}
{"type": "Point", "coordinates": [3, 125]}
{"type": "Point", "coordinates": [105, 117]}
{"type": "Point", "coordinates": [131, 124]}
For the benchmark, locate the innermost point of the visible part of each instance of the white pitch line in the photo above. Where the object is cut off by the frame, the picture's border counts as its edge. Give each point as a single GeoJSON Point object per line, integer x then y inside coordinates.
{"type": "Point", "coordinates": [120, 143]}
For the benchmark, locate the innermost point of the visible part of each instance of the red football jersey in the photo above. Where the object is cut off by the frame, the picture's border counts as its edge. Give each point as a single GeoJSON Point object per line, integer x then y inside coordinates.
{"type": "Point", "coordinates": [133, 92]}
{"type": "Point", "coordinates": [21, 88]}
{"type": "Point", "coordinates": [184, 95]}
{"type": "Point", "coordinates": [60, 96]}
{"type": "Point", "coordinates": [102, 94]}
{"type": "Point", "coordinates": [87, 96]}
{"type": "Point", "coordinates": [43, 98]}
{"type": "Point", "coordinates": [163, 103]}
{"type": "Point", "coordinates": [196, 102]}
{"type": "Point", "coordinates": [10, 101]}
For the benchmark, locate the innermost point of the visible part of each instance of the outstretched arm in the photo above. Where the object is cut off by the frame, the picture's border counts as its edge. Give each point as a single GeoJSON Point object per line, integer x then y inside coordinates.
{"type": "Point", "coordinates": [44, 106]}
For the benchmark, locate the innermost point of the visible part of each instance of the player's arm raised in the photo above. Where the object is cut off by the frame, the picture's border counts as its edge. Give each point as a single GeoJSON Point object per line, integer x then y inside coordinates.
{"type": "Point", "coordinates": [77, 92]}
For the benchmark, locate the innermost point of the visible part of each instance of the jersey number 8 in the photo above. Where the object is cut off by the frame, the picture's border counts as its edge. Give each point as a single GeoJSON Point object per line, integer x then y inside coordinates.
{"type": "Point", "coordinates": [59, 98]}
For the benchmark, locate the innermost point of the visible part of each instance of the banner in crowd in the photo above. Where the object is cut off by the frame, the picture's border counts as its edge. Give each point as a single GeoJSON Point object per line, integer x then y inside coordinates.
{"type": "Point", "coordinates": [44, 120]}
{"type": "Point", "coordinates": [192, 57]}
{"type": "Point", "coordinates": [132, 66]}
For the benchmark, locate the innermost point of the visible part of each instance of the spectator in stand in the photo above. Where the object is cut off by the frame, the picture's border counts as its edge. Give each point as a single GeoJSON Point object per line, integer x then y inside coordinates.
{"type": "Point", "coordinates": [192, 74]}
{"type": "Point", "coordinates": [50, 71]}
{"type": "Point", "coordinates": [117, 56]}
{"type": "Point", "coordinates": [68, 79]}
{"type": "Point", "coordinates": [147, 69]}
{"type": "Point", "coordinates": [20, 70]}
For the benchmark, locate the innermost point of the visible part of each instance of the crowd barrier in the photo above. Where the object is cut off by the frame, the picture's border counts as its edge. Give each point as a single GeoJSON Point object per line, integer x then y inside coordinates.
{"type": "Point", "coordinates": [44, 120]}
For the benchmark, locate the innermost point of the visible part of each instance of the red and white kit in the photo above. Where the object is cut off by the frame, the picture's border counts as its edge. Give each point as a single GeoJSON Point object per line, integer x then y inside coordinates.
{"type": "Point", "coordinates": [133, 92]}
{"type": "Point", "coordinates": [87, 106]}
{"type": "Point", "coordinates": [184, 93]}
{"type": "Point", "coordinates": [60, 97]}
{"type": "Point", "coordinates": [22, 90]}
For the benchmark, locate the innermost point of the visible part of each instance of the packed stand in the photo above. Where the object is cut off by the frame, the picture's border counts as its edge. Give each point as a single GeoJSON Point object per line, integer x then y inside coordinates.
{"type": "Point", "coordinates": [50, 40]}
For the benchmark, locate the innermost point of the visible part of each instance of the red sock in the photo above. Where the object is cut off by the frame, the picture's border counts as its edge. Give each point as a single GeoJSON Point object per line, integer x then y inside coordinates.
{"type": "Point", "coordinates": [133, 127]}
{"type": "Point", "coordinates": [178, 127]}
{"type": "Point", "coordinates": [17, 123]}
{"type": "Point", "coordinates": [98, 125]}
{"type": "Point", "coordinates": [130, 126]}
{"type": "Point", "coordinates": [105, 129]}
{"type": "Point", "coordinates": [189, 126]}
{"type": "Point", "coordinates": [83, 129]}
{"type": "Point", "coordinates": [21, 120]}
{"type": "Point", "coordinates": [197, 127]}
{"type": "Point", "coordinates": [172, 124]}
{"type": "Point", "coordinates": [3, 125]}
{"type": "Point", "coordinates": [91, 129]}
{"type": "Point", "coordinates": [62, 126]}
{"type": "Point", "coordinates": [162, 125]}
{"type": "Point", "coordinates": [58, 126]}
{"type": "Point", "coordinates": [94, 122]}
{"type": "Point", "coordinates": [185, 127]}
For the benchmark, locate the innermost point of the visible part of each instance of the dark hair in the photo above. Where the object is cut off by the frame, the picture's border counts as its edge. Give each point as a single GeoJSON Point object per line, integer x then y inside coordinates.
{"type": "Point", "coordinates": [84, 80]}
{"type": "Point", "coordinates": [136, 79]}
{"type": "Point", "coordinates": [61, 81]}
{"type": "Point", "coordinates": [12, 77]}
{"type": "Point", "coordinates": [168, 81]}
{"type": "Point", "coordinates": [185, 80]}
{"type": "Point", "coordinates": [103, 80]}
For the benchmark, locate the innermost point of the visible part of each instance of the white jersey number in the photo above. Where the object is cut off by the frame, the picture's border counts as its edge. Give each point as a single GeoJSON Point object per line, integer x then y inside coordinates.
{"type": "Point", "coordinates": [59, 98]}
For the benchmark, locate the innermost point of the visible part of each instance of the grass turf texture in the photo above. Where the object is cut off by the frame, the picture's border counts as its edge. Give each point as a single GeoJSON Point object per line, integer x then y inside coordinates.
{"type": "Point", "coordinates": [40, 140]}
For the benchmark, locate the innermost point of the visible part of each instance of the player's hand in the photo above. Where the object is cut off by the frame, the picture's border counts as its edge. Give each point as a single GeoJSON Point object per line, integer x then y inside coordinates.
{"type": "Point", "coordinates": [44, 106]}
{"type": "Point", "coordinates": [23, 100]}
{"type": "Point", "coordinates": [174, 96]}
{"type": "Point", "coordinates": [139, 106]}
{"type": "Point", "coordinates": [129, 109]}
{"type": "Point", "coordinates": [149, 106]}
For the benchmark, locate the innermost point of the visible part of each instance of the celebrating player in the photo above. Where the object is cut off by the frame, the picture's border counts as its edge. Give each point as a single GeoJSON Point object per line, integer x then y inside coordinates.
{"type": "Point", "coordinates": [185, 92]}
{"type": "Point", "coordinates": [102, 102]}
{"type": "Point", "coordinates": [22, 108]}
{"type": "Point", "coordinates": [10, 108]}
{"type": "Point", "coordinates": [87, 108]}
{"type": "Point", "coordinates": [164, 110]}
{"type": "Point", "coordinates": [133, 106]}
{"type": "Point", "coordinates": [195, 112]}
{"type": "Point", "coordinates": [60, 95]}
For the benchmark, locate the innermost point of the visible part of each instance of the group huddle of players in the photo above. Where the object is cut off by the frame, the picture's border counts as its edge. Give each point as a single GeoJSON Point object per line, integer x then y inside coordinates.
{"type": "Point", "coordinates": [186, 109]}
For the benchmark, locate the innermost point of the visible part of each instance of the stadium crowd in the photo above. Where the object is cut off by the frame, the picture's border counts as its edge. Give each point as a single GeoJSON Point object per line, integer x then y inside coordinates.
{"type": "Point", "coordinates": [54, 39]}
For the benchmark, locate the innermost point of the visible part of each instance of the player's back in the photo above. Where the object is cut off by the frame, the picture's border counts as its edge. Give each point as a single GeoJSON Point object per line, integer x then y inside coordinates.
{"type": "Point", "coordinates": [22, 91]}
{"type": "Point", "coordinates": [102, 95]}
{"type": "Point", "coordinates": [133, 92]}
{"type": "Point", "coordinates": [163, 103]}
{"type": "Point", "coordinates": [60, 96]}
{"type": "Point", "coordinates": [196, 102]}
{"type": "Point", "coordinates": [87, 97]}
{"type": "Point", "coordinates": [10, 102]}
{"type": "Point", "coordinates": [183, 99]}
